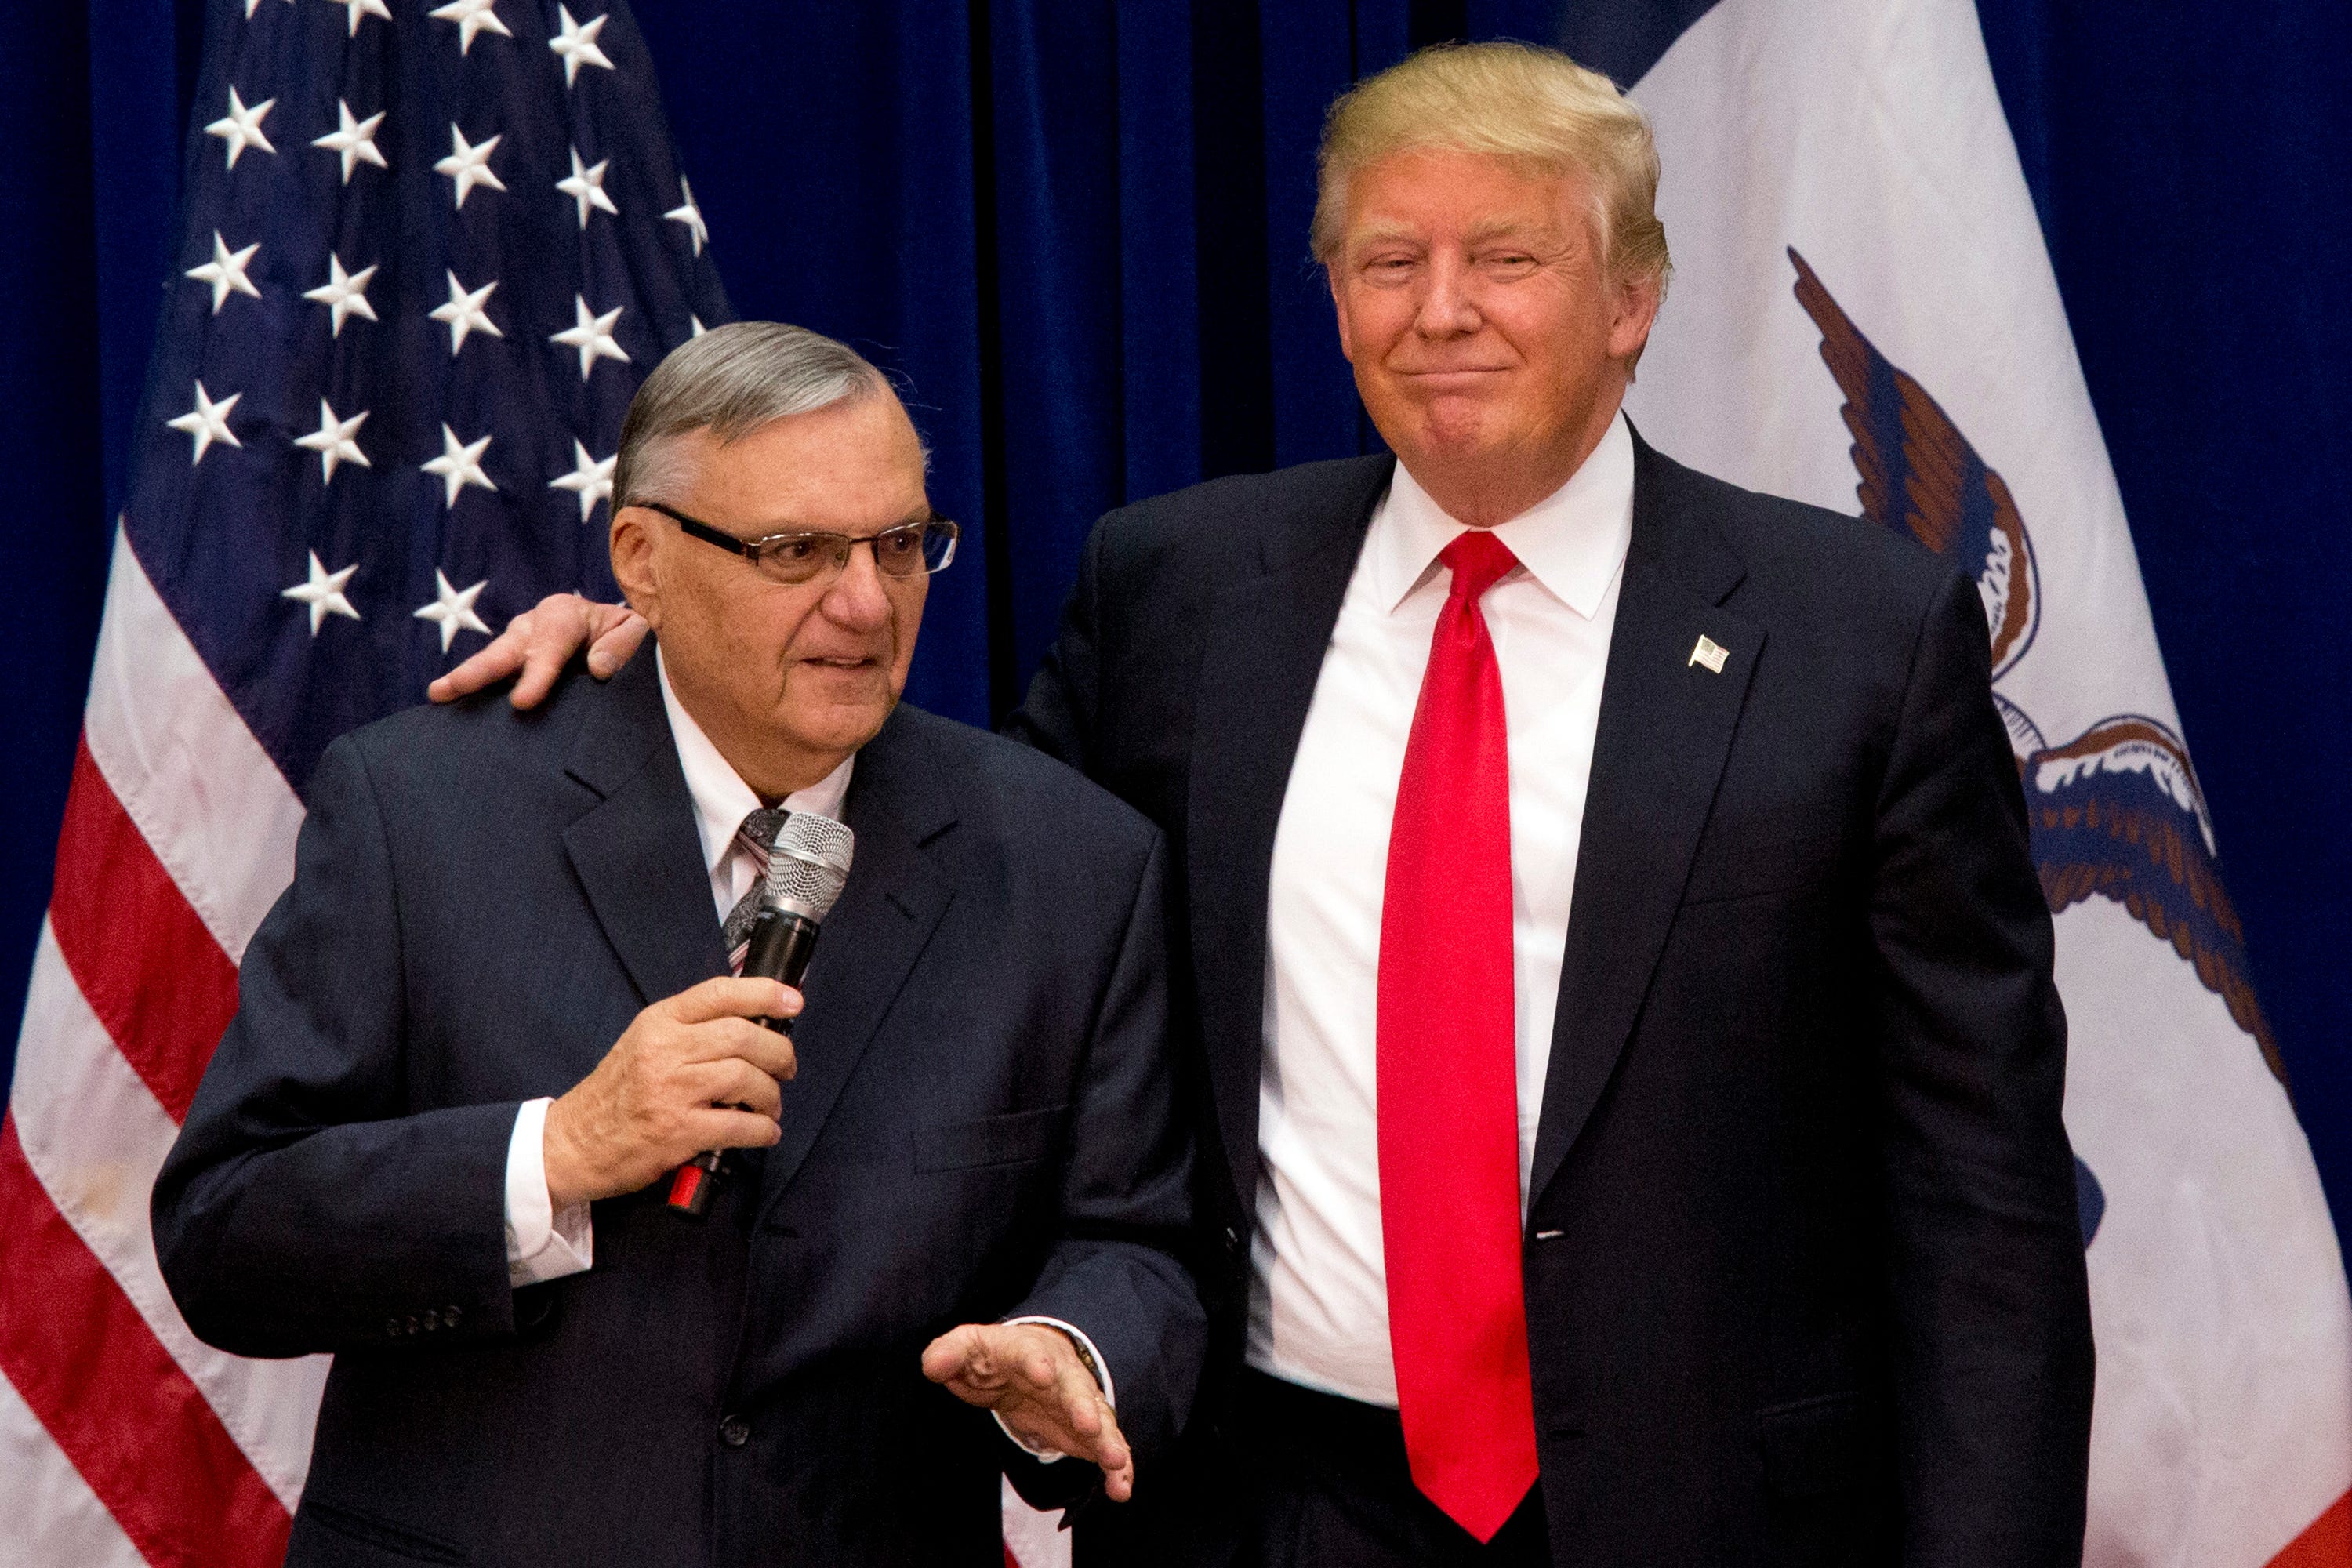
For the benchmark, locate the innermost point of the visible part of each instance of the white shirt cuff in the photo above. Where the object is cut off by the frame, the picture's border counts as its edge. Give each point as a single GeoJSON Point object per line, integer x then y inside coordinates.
{"type": "Point", "coordinates": [541, 1245]}
{"type": "Point", "coordinates": [1095, 1363]}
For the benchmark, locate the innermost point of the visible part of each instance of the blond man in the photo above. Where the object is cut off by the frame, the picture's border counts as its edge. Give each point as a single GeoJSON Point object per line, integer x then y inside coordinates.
{"type": "Point", "coordinates": [1629, 1067]}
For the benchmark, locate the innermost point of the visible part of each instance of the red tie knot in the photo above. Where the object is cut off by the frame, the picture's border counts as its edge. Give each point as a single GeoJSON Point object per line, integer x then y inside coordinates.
{"type": "Point", "coordinates": [1478, 561]}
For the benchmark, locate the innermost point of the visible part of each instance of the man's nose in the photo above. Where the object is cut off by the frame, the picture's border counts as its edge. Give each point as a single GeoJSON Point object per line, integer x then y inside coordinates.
{"type": "Point", "coordinates": [1447, 310]}
{"type": "Point", "coordinates": [856, 598]}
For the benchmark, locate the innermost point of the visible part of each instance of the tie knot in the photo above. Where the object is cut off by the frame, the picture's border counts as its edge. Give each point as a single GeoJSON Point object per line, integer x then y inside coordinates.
{"type": "Point", "coordinates": [1478, 561]}
{"type": "Point", "coordinates": [758, 829]}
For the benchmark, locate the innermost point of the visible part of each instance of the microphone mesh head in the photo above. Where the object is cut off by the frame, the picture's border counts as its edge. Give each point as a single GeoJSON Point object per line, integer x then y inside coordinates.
{"type": "Point", "coordinates": [808, 865]}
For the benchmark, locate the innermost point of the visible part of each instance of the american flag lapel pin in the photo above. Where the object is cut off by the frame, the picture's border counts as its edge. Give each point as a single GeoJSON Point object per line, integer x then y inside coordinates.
{"type": "Point", "coordinates": [1708, 652]}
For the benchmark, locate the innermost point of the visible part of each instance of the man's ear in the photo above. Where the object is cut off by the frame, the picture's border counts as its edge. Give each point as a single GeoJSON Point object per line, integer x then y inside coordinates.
{"type": "Point", "coordinates": [632, 563]}
{"type": "Point", "coordinates": [1637, 312]}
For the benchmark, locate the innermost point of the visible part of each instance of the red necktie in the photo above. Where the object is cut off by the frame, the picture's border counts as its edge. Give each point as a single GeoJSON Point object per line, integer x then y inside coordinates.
{"type": "Point", "coordinates": [1448, 1077]}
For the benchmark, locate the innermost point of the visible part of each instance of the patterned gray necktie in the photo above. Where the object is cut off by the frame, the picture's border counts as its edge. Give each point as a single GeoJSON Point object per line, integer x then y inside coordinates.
{"type": "Point", "coordinates": [758, 834]}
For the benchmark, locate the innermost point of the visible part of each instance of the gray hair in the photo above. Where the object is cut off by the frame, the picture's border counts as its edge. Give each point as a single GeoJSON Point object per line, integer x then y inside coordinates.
{"type": "Point", "coordinates": [730, 381]}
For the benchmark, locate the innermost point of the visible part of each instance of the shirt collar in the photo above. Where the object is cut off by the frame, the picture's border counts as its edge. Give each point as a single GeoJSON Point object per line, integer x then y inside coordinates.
{"type": "Point", "coordinates": [1571, 541]}
{"type": "Point", "coordinates": [721, 799]}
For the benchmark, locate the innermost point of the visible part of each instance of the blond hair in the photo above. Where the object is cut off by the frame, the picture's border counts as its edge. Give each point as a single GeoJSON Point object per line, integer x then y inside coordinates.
{"type": "Point", "coordinates": [1530, 105]}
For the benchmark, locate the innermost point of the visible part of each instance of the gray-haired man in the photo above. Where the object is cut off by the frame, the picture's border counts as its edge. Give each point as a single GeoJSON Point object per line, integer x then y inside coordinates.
{"type": "Point", "coordinates": [495, 1009]}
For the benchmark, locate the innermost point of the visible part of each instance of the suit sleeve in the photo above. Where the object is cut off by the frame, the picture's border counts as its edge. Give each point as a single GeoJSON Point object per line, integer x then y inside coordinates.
{"type": "Point", "coordinates": [1057, 716]}
{"type": "Point", "coordinates": [1993, 1356]}
{"type": "Point", "coordinates": [303, 1208]}
{"type": "Point", "coordinates": [1126, 1204]}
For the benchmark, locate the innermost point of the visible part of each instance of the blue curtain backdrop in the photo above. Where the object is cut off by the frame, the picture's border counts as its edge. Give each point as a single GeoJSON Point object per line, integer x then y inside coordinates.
{"type": "Point", "coordinates": [1077, 229]}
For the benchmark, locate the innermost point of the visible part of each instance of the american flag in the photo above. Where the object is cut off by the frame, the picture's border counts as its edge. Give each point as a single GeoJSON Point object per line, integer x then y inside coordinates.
{"type": "Point", "coordinates": [430, 250]}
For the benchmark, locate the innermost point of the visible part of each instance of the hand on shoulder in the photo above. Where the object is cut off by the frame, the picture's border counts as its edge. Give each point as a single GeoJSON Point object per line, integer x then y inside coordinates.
{"type": "Point", "coordinates": [538, 644]}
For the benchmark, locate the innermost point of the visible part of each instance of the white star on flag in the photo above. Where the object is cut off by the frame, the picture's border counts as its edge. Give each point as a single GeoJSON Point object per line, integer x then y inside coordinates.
{"type": "Point", "coordinates": [694, 323]}
{"type": "Point", "coordinates": [689, 214]}
{"type": "Point", "coordinates": [355, 142]}
{"type": "Point", "coordinates": [333, 440]}
{"type": "Point", "coordinates": [452, 609]}
{"type": "Point", "coordinates": [241, 127]}
{"type": "Point", "coordinates": [589, 480]}
{"type": "Point", "coordinates": [468, 164]}
{"type": "Point", "coordinates": [358, 8]}
{"type": "Point", "coordinates": [460, 464]}
{"type": "Point", "coordinates": [207, 422]}
{"type": "Point", "coordinates": [472, 17]}
{"type": "Point", "coordinates": [586, 187]}
{"type": "Point", "coordinates": [226, 271]}
{"type": "Point", "coordinates": [464, 312]}
{"type": "Point", "coordinates": [592, 336]}
{"type": "Point", "coordinates": [323, 594]}
{"type": "Point", "coordinates": [253, 5]}
{"type": "Point", "coordinates": [343, 294]}
{"type": "Point", "coordinates": [577, 43]}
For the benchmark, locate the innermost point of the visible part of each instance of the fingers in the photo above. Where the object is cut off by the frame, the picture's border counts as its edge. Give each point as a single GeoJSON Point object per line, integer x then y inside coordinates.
{"type": "Point", "coordinates": [1088, 1428]}
{"type": "Point", "coordinates": [735, 1083]}
{"type": "Point", "coordinates": [951, 1354]}
{"type": "Point", "coordinates": [540, 642]}
{"type": "Point", "coordinates": [733, 996]}
{"type": "Point", "coordinates": [1033, 1379]}
{"type": "Point", "coordinates": [1117, 1459]}
{"type": "Point", "coordinates": [616, 631]}
{"type": "Point", "coordinates": [725, 1128]}
{"type": "Point", "coordinates": [548, 634]}
{"type": "Point", "coordinates": [547, 648]}
{"type": "Point", "coordinates": [728, 1039]}
{"type": "Point", "coordinates": [971, 1360]}
{"type": "Point", "coordinates": [766, 1050]}
{"type": "Point", "coordinates": [490, 665]}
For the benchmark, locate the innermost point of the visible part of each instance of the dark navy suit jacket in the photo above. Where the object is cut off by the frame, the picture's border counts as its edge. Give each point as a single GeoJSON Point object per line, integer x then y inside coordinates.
{"type": "Point", "coordinates": [982, 1124]}
{"type": "Point", "coordinates": [1803, 1279]}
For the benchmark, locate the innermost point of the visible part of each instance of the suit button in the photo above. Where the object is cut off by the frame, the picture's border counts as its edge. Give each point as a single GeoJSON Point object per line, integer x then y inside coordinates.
{"type": "Point", "coordinates": [734, 1431]}
{"type": "Point", "coordinates": [448, 1317]}
{"type": "Point", "coordinates": [432, 1320]}
{"type": "Point", "coordinates": [391, 1326]}
{"type": "Point", "coordinates": [413, 1326]}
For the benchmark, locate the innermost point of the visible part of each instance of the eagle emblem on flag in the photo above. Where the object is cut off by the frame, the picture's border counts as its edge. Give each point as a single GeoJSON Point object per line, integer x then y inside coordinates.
{"type": "Point", "coordinates": [2115, 813]}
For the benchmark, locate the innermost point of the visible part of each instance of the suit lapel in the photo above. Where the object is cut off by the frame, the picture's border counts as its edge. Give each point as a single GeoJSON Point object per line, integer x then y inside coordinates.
{"type": "Point", "coordinates": [1665, 730]}
{"type": "Point", "coordinates": [635, 849]}
{"type": "Point", "coordinates": [1265, 638]}
{"type": "Point", "coordinates": [892, 902]}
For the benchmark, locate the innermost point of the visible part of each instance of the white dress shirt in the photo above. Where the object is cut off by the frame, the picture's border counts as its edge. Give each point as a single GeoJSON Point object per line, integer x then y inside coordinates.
{"type": "Point", "coordinates": [542, 1244]}
{"type": "Point", "coordinates": [1318, 1306]}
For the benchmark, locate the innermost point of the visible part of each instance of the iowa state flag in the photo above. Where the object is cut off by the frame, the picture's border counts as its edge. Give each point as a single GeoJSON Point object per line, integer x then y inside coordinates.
{"type": "Point", "coordinates": [1864, 316]}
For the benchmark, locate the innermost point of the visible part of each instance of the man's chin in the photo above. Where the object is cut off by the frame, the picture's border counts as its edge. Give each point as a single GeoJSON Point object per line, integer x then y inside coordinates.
{"type": "Point", "coordinates": [1450, 425]}
{"type": "Point", "coordinates": [839, 722]}
{"type": "Point", "coordinates": [1455, 436]}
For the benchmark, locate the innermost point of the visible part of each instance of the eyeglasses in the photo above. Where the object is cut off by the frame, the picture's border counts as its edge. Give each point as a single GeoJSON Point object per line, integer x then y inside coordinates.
{"type": "Point", "coordinates": [909, 550]}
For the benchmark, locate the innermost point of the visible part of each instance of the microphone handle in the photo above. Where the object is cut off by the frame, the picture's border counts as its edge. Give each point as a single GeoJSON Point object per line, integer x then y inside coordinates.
{"type": "Point", "coordinates": [781, 943]}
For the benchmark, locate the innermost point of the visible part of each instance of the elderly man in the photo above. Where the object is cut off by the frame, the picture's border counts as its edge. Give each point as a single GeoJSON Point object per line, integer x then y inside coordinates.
{"type": "Point", "coordinates": [494, 1010]}
{"type": "Point", "coordinates": [1630, 1066]}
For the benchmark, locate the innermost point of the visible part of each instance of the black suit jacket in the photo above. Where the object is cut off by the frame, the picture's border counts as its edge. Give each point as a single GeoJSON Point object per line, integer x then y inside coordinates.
{"type": "Point", "coordinates": [982, 1124]}
{"type": "Point", "coordinates": [1803, 1279]}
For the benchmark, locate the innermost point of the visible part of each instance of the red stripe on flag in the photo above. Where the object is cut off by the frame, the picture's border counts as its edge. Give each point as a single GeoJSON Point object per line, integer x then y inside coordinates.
{"type": "Point", "coordinates": [150, 970]}
{"type": "Point", "coordinates": [114, 1400]}
{"type": "Point", "coordinates": [2326, 1544]}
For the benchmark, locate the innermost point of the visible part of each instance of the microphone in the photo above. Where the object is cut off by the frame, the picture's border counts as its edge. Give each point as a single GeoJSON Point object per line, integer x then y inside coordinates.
{"type": "Point", "coordinates": [807, 870]}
